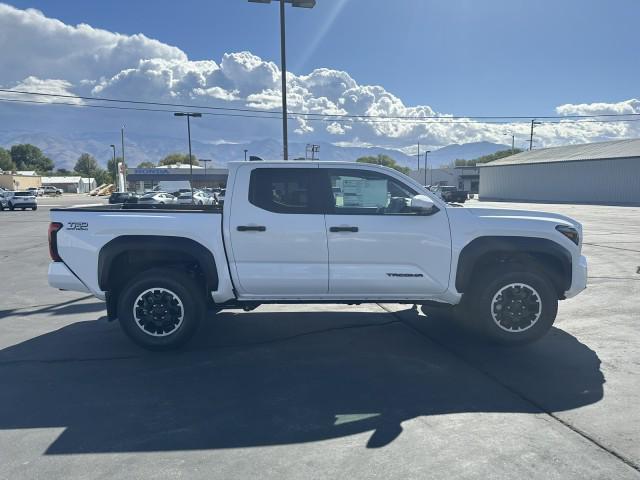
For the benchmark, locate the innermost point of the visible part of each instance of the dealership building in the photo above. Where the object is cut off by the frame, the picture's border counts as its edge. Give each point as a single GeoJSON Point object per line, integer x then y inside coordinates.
{"type": "Point", "coordinates": [598, 173]}
{"type": "Point", "coordinates": [145, 179]}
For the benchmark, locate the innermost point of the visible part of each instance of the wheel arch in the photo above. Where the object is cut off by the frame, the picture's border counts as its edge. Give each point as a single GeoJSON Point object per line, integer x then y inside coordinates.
{"type": "Point", "coordinates": [549, 256]}
{"type": "Point", "coordinates": [127, 255]}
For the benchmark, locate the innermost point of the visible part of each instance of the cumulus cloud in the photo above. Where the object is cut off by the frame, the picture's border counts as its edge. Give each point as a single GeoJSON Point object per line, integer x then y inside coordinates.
{"type": "Point", "coordinates": [43, 54]}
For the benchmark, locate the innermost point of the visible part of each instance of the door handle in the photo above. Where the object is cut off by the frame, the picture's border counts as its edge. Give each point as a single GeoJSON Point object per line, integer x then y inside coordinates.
{"type": "Point", "coordinates": [251, 228]}
{"type": "Point", "coordinates": [343, 229]}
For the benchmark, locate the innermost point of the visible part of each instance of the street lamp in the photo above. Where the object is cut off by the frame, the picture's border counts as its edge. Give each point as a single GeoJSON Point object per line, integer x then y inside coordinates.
{"type": "Point", "coordinates": [513, 142]}
{"type": "Point", "coordinates": [283, 62]}
{"type": "Point", "coordinates": [426, 164]}
{"type": "Point", "coordinates": [115, 166]}
{"type": "Point", "coordinates": [189, 115]}
{"type": "Point", "coordinates": [205, 161]}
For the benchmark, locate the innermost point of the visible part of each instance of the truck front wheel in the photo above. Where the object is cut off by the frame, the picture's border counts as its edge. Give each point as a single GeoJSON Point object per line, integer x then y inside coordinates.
{"type": "Point", "coordinates": [160, 309]}
{"type": "Point", "coordinates": [513, 304]}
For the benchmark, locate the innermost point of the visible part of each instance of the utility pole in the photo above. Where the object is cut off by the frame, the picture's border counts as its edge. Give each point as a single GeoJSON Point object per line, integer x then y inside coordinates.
{"type": "Point", "coordinates": [533, 122]}
{"type": "Point", "coordinates": [418, 155]}
{"type": "Point", "coordinates": [115, 167]}
{"type": "Point", "coordinates": [283, 62]}
{"type": "Point", "coordinates": [189, 115]}
{"type": "Point", "coordinates": [124, 165]}
{"type": "Point", "coordinates": [245, 154]}
{"type": "Point", "coordinates": [426, 162]}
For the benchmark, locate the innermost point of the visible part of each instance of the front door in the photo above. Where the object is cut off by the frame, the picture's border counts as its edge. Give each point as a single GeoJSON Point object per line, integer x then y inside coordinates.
{"type": "Point", "coordinates": [277, 232]}
{"type": "Point", "coordinates": [379, 247]}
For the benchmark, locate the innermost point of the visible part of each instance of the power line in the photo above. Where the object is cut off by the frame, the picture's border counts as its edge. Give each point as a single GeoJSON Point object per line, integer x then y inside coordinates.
{"type": "Point", "coordinates": [278, 116]}
{"type": "Point", "coordinates": [322, 115]}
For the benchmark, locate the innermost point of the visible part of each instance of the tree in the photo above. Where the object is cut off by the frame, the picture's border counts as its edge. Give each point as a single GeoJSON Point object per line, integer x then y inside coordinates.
{"type": "Point", "coordinates": [6, 163]}
{"type": "Point", "coordinates": [112, 166]}
{"type": "Point", "coordinates": [175, 158]}
{"type": "Point", "coordinates": [384, 160]}
{"type": "Point", "coordinates": [30, 157]}
{"type": "Point", "coordinates": [86, 165]}
{"type": "Point", "coordinates": [103, 176]}
{"type": "Point", "coordinates": [63, 172]}
{"type": "Point", "coordinates": [146, 165]}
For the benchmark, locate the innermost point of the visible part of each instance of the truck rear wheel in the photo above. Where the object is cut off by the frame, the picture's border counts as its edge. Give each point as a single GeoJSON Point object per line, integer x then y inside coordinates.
{"type": "Point", "coordinates": [160, 309]}
{"type": "Point", "coordinates": [513, 305]}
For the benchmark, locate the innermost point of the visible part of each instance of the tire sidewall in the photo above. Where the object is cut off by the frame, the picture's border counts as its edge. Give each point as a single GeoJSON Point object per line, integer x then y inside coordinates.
{"type": "Point", "coordinates": [502, 277]}
{"type": "Point", "coordinates": [183, 286]}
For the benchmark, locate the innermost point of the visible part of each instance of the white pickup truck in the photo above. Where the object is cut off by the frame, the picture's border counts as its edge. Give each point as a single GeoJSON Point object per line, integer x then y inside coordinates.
{"type": "Point", "coordinates": [317, 232]}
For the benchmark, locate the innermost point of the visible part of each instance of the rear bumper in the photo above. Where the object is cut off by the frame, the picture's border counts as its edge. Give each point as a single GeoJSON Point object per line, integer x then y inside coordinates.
{"type": "Point", "coordinates": [578, 277]}
{"type": "Point", "coordinates": [24, 205]}
{"type": "Point", "coordinates": [61, 277]}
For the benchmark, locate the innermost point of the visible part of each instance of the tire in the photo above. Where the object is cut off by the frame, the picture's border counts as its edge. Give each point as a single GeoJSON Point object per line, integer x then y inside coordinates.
{"type": "Point", "coordinates": [512, 305]}
{"type": "Point", "coordinates": [34, 208]}
{"type": "Point", "coordinates": [11, 207]}
{"type": "Point", "coordinates": [179, 298]}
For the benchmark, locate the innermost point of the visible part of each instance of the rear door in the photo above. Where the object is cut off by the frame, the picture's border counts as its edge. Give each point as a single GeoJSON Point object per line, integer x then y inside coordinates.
{"type": "Point", "coordinates": [379, 247]}
{"type": "Point", "coordinates": [278, 240]}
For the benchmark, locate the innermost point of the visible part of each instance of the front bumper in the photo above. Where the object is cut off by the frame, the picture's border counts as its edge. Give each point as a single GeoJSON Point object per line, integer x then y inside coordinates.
{"type": "Point", "coordinates": [61, 277]}
{"type": "Point", "coordinates": [578, 277]}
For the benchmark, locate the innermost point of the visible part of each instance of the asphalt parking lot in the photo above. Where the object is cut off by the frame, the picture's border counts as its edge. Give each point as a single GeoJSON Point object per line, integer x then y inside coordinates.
{"type": "Point", "coordinates": [320, 391]}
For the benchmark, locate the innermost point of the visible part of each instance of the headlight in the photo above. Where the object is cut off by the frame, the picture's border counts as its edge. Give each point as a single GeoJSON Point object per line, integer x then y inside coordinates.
{"type": "Point", "coordinates": [570, 232]}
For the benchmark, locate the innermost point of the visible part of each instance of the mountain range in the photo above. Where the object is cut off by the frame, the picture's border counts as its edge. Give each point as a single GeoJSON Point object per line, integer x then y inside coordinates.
{"type": "Point", "coordinates": [64, 150]}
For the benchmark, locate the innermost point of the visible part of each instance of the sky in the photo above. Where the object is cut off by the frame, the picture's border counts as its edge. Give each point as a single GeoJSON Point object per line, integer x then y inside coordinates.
{"type": "Point", "coordinates": [384, 57]}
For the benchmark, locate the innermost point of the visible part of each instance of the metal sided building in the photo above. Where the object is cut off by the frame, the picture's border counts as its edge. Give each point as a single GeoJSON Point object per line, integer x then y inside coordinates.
{"type": "Point", "coordinates": [598, 173]}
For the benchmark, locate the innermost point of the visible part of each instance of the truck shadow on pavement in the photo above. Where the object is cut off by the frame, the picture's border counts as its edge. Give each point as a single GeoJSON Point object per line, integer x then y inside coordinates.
{"type": "Point", "coordinates": [263, 379]}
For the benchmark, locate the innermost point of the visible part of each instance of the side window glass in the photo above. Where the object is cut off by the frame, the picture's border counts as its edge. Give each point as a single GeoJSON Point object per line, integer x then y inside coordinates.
{"type": "Point", "coordinates": [282, 190]}
{"type": "Point", "coordinates": [361, 192]}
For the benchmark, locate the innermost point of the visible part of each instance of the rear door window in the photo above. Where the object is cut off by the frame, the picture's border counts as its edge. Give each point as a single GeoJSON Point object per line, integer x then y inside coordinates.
{"type": "Point", "coordinates": [286, 190]}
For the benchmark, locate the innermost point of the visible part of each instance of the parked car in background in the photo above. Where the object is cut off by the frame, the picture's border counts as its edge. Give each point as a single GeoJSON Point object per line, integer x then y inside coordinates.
{"type": "Point", "coordinates": [123, 197]}
{"type": "Point", "coordinates": [4, 203]}
{"type": "Point", "coordinates": [158, 198]}
{"type": "Point", "coordinates": [220, 196]}
{"type": "Point", "coordinates": [199, 198]}
{"type": "Point", "coordinates": [37, 191]}
{"type": "Point", "coordinates": [51, 190]}
{"type": "Point", "coordinates": [22, 200]}
{"type": "Point", "coordinates": [451, 194]}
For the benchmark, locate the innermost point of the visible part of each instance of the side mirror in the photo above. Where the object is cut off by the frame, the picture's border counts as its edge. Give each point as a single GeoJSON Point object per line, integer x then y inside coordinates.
{"type": "Point", "coordinates": [423, 205]}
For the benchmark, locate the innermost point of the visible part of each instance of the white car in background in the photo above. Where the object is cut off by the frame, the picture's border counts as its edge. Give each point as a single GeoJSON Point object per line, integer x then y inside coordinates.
{"type": "Point", "coordinates": [51, 190]}
{"type": "Point", "coordinates": [22, 200]}
{"type": "Point", "coordinates": [199, 198]}
{"type": "Point", "coordinates": [158, 198]}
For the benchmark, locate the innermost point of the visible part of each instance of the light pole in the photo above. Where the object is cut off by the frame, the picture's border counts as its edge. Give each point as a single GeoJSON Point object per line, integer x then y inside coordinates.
{"type": "Point", "coordinates": [283, 62]}
{"type": "Point", "coordinates": [513, 142]}
{"type": "Point", "coordinates": [426, 163]}
{"type": "Point", "coordinates": [115, 165]}
{"type": "Point", "coordinates": [189, 115]}
{"type": "Point", "coordinates": [124, 165]}
{"type": "Point", "coordinates": [205, 161]}
{"type": "Point", "coordinates": [418, 155]}
{"type": "Point", "coordinates": [245, 154]}
{"type": "Point", "coordinates": [533, 122]}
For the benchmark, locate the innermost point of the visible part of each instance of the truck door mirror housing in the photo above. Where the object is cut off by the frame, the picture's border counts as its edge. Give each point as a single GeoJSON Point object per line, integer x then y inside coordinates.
{"type": "Point", "coordinates": [423, 205]}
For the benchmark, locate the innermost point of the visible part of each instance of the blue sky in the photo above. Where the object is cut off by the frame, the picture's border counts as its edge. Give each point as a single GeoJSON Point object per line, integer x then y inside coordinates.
{"type": "Point", "coordinates": [468, 57]}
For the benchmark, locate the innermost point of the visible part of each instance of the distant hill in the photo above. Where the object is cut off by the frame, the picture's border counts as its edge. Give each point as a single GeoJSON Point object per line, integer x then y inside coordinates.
{"type": "Point", "coordinates": [64, 150]}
